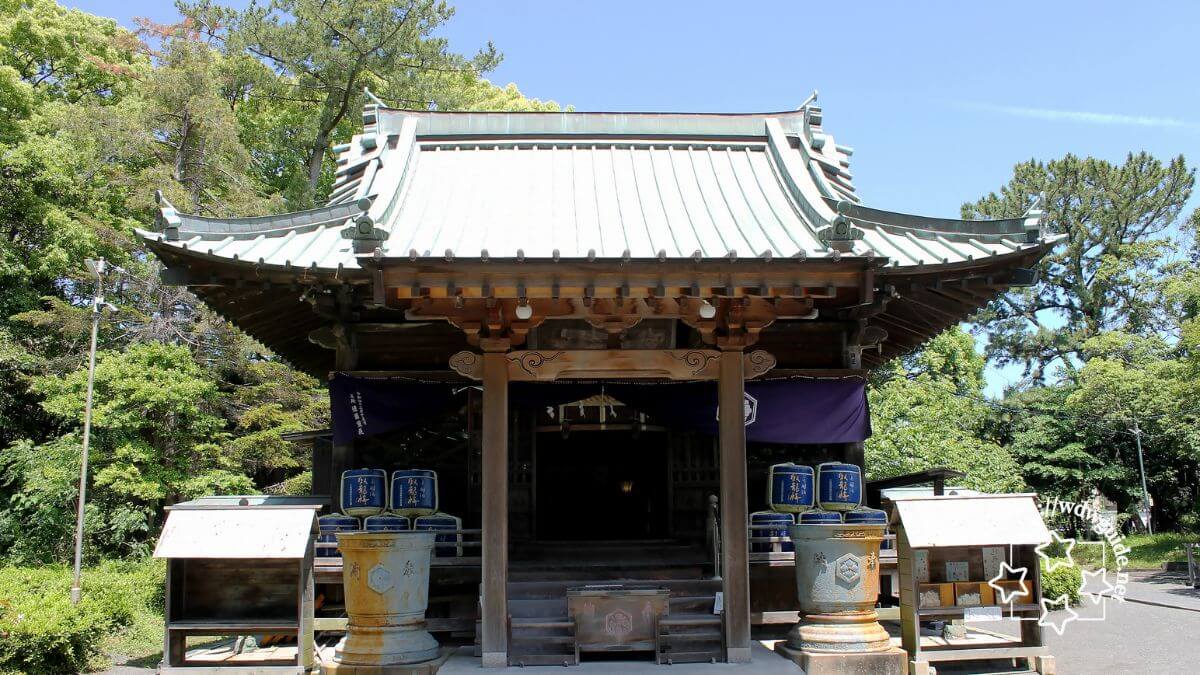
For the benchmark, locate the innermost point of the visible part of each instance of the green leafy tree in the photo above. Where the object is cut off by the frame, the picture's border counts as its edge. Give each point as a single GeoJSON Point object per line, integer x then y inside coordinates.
{"type": "Point", "coordinates": [271, 399]}
{"type": "Point", "coordinates": [927, 412]}
{"type": "Point", "coordinates": [65, 53]}
{"type": "Point", "coordinates": [330, 51]}
{"type": "Point", "coordinates": [1105, 275]}
{"type": "Point", "coordinates": [156, 440]}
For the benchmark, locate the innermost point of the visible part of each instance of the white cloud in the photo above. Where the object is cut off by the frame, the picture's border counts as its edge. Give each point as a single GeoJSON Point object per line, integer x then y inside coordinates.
{"type": "Point", "coordinates": [1084, 117]}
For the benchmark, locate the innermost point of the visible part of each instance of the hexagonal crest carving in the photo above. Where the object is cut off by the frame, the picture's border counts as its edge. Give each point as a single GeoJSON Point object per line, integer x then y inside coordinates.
{"type": "Point", "coordinates": [848, 568]}
{"type": "Point", "coordinates": [618, 623]}
{"type": "Point", "coordinates": [379, 579]}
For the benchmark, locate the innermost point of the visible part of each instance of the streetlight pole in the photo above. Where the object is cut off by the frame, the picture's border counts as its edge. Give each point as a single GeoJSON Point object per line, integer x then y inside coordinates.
{"type": "Point", "coordinates": [1137, 435]}
{"type": "Point", "coordinates": [97, 268]}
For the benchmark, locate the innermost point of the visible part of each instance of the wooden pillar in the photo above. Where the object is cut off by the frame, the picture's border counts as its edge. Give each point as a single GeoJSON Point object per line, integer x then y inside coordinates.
{"type": "Point", "coordinates": [494, 589]}
{"type": "Point", "coordinates": [735, 565]}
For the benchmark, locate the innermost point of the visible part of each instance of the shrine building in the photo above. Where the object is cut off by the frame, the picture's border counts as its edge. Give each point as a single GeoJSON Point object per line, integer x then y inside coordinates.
{"type": "Point", "coordinates": [600, 330]}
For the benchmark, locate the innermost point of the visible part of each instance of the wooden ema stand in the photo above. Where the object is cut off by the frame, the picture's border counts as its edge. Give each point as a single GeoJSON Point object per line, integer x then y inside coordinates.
{"type": "Point", "coordinates": [954, 529]}
{"type": "Point", "coordinates": [239, 569]}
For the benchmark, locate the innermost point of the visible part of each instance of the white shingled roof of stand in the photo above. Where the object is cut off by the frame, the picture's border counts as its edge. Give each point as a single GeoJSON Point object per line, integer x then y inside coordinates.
{"type": "Point", "coordinates": [592, 186]}
{"type": "Point", "coordinates": [970, 520]}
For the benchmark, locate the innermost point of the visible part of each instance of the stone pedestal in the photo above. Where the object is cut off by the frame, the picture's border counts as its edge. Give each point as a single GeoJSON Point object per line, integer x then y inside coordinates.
{"type": "Point", "coordinates": [893, 661]}
{"type": "Point", "coordinates": [386, 579]}
{"type": "Point", "coordinates": [837, 577]}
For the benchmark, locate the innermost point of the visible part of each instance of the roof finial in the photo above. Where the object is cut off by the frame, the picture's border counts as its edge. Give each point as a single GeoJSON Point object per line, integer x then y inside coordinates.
{"type": "Point", "coordinates": [1035, 216]}
{"type": "Point", "coordinates": [168, 218]}
{"type": "Point", "coordinates": [812, 98]}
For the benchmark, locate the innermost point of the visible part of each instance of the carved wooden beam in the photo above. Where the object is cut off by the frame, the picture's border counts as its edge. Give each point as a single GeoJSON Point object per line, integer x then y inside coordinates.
{"type": "Point", "coordinates": [669, 364]}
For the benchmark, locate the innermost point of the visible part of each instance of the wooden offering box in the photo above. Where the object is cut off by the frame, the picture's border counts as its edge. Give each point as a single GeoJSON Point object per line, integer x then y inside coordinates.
{"type": "Point", "coordinates": [949, 549]}
{"type": "Point", "coordinates": [616, 618]}
{"type": "Point", "coordinates": [239, 566]}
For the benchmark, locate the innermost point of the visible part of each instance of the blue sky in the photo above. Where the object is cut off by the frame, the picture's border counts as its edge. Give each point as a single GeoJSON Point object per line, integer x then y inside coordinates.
{"type": "Point", "coordinates": [939, 99]}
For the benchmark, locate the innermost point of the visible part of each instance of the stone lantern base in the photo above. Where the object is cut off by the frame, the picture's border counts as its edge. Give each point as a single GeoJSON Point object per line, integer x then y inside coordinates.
{"type": "Point", "coordinates": [892, 661]}
{"type": "Point", "coordinates": [840, 633]}
{"type": "Point", "coordinates": [385, 576]}
{"type": "Point", "coordinates": [837, 577]}
{"type": "Point", "coordinates": [423, 668]}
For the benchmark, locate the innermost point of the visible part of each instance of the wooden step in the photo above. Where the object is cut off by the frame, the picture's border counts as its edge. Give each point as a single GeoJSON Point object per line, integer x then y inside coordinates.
{"type": "Point", "coordinates": [689, 620]}
{"type": "Point", "coordinates": [563, 622]}
{"type": "Point", "coordinates": [545, 639]}
{"type": "Point", "coordinates": [558, 588]}
{"type": "Point", "coordinates": [541, 659]}
{"type": "Point", "coordinates": [691, 637]}
{"type": "Point", "coordinates": [690, 657]}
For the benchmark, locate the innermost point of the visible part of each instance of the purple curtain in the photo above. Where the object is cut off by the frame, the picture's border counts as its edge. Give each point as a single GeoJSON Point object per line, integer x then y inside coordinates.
{"type": "Point", "coordinates": [368, 406]}
{"type": "Point", "coordinates": [801, 411]}
{"type": "Point", "coordinates": [798, 411]}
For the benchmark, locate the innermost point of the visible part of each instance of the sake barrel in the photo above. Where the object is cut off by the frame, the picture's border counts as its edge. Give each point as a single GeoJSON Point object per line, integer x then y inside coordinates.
{"type": "Point", "coordinates": [865, 516]}
{"type": "Point", "coordinates": [839, 486]}
{"type": "Point", "coordinates": [790, 488]}
{"type": "Point", "coordinates": [440, 522]}
{"type": "Point", "coordinates": [782, 520]}
{"type": "Point", "coordinates": [364, 492]}
{"type": "Point", "coordinates": [414, 492]}
{"type": "Point", "coordinates": [329, 524]}
{"type": "Point", "coordinates": [816, 517]}
{"type": "Point", "coordinates": [387, 522]}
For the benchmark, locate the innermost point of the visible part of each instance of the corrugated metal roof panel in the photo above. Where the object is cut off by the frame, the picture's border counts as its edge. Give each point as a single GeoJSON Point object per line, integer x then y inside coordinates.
{"type": "Point", "coordinates": [609, 198]}
{"type": "Point", "coordinates": [974, 520]}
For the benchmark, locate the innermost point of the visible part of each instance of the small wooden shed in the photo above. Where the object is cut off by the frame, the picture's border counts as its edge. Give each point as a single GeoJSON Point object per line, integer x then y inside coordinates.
{"type": "Point", "coordinates": [959, 557]}
{"type": "Point", "coordinates": [239, 566]}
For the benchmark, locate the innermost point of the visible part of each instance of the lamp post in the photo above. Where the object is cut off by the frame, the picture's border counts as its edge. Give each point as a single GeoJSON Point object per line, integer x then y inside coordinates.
{"type": "Point", "coordinates": [96, 267]}
{"type": "Point", "coordinates": [1137, 435]}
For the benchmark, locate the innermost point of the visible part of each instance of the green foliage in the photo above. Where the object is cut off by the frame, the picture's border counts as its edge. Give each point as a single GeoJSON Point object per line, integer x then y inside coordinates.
{"type": "Point", "coordinates": [37, 522]}
{"type": "Point", "coordinates": [1104, 276]}
{"type": "Point", "coordinates": [92, 121]}
{"type": "Point", "coordinates": [927, 412]}
{"type": "Point", "coordinates": [1146, 551]}
{"type": "Point", "coordinates": [318, 57]}
{"type": "Point", "coordinates": [156, 440]}
{"type": "Point", "coordinates": [272, 399]}
{"type": "Point", "coordinates": [1064, 580]}
{"type": "Point", "coordinates": [66, 53]}
{"type": "Point", "coordinates": [44, 633]}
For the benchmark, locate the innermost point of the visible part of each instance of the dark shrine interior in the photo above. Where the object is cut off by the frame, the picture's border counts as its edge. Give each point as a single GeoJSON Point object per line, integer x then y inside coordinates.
{"type": "Point", "coordinates": [602, 485]}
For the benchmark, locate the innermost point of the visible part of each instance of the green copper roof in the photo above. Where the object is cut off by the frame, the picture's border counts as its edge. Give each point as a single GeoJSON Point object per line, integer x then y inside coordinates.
{"type": "Point", "coordinates": [593, 185]}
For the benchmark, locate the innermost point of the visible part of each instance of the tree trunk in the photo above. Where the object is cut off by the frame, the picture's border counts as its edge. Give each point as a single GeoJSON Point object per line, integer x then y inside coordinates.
{"type": "Point", "coordinates": [316, 158]}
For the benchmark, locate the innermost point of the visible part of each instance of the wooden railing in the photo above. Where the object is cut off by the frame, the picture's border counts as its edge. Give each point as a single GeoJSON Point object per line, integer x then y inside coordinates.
{"type": "Point", "coordinates": [465, 549]}
{"type": "Point", "coordinates": [779, 557]}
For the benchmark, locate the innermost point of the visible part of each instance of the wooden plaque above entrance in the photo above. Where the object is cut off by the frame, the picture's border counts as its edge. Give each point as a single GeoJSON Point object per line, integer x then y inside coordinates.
{"type": "Point", "coordinates": [670, 364]}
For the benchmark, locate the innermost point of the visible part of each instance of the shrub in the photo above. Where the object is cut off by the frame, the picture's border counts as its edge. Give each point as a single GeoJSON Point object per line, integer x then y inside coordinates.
{"type": "Point", "coordinates": [42, 632]}
{"type": "Point", "coordinates": [1062, 581]}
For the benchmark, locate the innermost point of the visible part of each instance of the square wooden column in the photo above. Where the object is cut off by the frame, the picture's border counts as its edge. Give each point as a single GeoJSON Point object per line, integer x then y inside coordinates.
{"type": "Point", "coordinates": [735, 560]}
{"type": "Point", "coordinates": [494, 469]}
